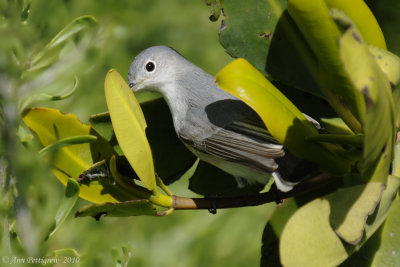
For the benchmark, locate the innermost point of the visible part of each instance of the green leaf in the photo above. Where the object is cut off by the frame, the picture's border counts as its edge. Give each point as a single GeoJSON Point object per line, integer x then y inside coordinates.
{"type": "Point", "coordinates": [41, 97]}
{"type": "Point", "coordinates": [282, 119]}
{"type": "Point", "coordinates": [266, 36]}
{"type": "Point", "coordinates": [383, 247]}
{"type": "Point", "coordinates": [350, 208]}
{"type": "Point", "coordinates": [379, 126]}
{"type": "Point", "coordinates": [122, 209]}
{"type": "Point", "coordinates": [129, 125]}
{"type": "Point", "coordinates": [162, 138]}
{"type": "Point", "coordinates": [322, 34]}
{"type": "Point", "coordinates": [388, 62]}
{"type": "Point", "coordinates": [51, 51]}
{"type": "Point", "coordinates": [308, 239]}
{"type": "Point", "coordinates": [247, 28]}
{"type": "Point", "coordinates": [70, 197]}
{"type": "Point", "coordinates": [384, 207]}
{"type": "Point", "coordinates": [122, 259]}
{"type": "Point", "coordinates": [68, 141]}
{"type": "Point", "coordinates": [50, 126]}
{"type": "Point", "coordinates": [273, 231]}
{"type": "Point", "coordinates": [396, 100]}
{"type": "Point", "coordinates": [310, 225]}
{"type": "Point", "coordinates": [101, 123]}
{"type": "Point", "coordinates": [335, 126]}
{"type": "Point", "coordinates": [359, 12]}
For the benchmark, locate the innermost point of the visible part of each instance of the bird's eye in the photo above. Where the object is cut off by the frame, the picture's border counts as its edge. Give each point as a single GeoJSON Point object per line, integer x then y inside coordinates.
{"type": "Point", "coordinates": [150, 66]}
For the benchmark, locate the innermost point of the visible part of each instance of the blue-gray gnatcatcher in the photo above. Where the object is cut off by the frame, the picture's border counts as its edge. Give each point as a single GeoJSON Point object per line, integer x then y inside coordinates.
{"type": "Point", "coordinates": [213, 124]}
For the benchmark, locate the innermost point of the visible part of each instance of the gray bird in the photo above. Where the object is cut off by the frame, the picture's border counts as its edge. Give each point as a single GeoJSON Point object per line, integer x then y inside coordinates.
{"type": "Point", "coordinates": [213, 124]}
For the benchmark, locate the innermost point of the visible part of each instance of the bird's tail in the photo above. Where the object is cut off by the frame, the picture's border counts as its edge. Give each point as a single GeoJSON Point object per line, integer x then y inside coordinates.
{"type": "Point", "coordinates": [292, 170]}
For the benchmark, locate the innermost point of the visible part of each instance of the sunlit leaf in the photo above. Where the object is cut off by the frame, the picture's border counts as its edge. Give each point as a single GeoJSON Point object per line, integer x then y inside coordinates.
{"type": "Point", "coordinates": [68, 202]}
{"type": "Point", "coordinates": [350, 208]}
{"type": "Point", "coordinates": [129, 126]}
{"type": "Point", "coordinates": [335, 126]}
{"type": "Point", "coordinates": [51, 125]}
{"type": "Point", "coordinates": [388, 62]}
{"type": "Point", "coordinates": [122, 209]}
{"type": "Point", "coordinates": [283, 120]}
{"type": "Point", "coordinates": [383, 247]}
{"type": "Point", "coordinates": [308, 239]}
{"type": "Point", "coordinates": [379, 127]}
{"type": "Point", "coordinates": [161, 135]}
{"type": "Point", "coordinates": [314, 20]}
{"type": "Point", "coordinates": [359, 12]}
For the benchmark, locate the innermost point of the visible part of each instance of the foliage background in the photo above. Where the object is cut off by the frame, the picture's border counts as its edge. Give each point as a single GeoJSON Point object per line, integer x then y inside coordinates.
{"type": "Point", "coordinates": [191, 238]}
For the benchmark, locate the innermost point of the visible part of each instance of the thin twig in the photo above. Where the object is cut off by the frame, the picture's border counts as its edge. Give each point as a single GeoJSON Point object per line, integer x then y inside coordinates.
{"type": "Point", "coordinates": [274, 195]}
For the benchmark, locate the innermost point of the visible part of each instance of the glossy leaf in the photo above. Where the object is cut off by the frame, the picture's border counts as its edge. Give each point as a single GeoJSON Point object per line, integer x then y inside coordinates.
{"type": "Point", "coordinates": [68, 202]}
{"type": "Point", "coordinates": [283, 120]}
{"type": "Point", "coordinates": [122, 209]}
{"type": "Point", "coordinates": [129, 125]}
{"type": "Point", "coordinates": [51, 125]}
{"type": "Point", "coordinates": [359, 12]}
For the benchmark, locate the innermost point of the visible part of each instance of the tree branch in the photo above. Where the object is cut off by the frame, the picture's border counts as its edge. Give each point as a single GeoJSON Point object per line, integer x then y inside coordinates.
{"type": "Point", "coordinates": [274, 195]}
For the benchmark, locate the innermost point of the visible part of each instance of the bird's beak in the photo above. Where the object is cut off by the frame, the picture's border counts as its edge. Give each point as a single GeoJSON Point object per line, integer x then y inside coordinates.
{"type": "Point", "coordinates": [135, 86]}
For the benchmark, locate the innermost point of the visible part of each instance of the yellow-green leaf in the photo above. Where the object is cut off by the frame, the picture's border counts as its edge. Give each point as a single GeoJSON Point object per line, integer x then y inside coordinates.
{"type": "Point", "coordinates": [50, 126]}
{"type": "Point", "coordinates": [370, 82]}
{"type": "Point", "coordinates": [282, 119]}
{"type": "Point", "coordinates": [350, 208]}
{"type": "Point", "coordinates": [359, 12]}
{"type": "Point", "coordinates": [129, 125]}
{"type": "Point", "coordinates": [308, 239]}
{"type": "Point", "coordinates": [388, 62]}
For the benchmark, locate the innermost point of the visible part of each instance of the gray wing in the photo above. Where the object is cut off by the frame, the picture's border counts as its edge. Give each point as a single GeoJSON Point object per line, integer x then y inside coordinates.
{"type": "Point", "coordinates": [238, 135]}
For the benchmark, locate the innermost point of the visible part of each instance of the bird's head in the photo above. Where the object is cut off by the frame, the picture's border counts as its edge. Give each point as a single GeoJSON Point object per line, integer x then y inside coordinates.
{"type": "Point", "coordinates": [153, 68]}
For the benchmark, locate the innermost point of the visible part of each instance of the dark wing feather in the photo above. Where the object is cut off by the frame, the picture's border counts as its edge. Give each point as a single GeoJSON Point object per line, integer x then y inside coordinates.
{"type": "Point", "coordinates": [239, 136]}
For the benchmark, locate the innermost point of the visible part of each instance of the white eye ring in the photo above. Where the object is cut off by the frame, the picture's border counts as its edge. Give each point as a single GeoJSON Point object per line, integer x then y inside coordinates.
{"type": "Point", "coordinates": [150, 66]}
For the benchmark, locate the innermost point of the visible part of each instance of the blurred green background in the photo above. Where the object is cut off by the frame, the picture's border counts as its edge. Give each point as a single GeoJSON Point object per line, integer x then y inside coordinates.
{"type": "Point", "coordinates": [124, 28]}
